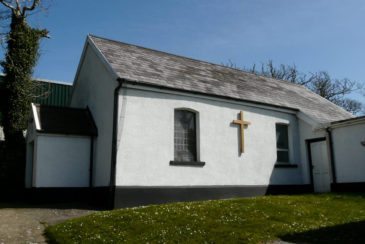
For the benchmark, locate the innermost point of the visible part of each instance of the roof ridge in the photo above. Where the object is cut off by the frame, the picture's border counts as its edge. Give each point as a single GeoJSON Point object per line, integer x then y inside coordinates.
{"type": "Point", "coordinates": [46, 80]}
{"type": "Point", "coordinates": [53, 81]}
{"type": "Point", "coordinates": [196, 60]}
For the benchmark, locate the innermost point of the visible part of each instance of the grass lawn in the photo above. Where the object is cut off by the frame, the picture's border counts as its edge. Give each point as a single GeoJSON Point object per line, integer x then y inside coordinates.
{"type": "Point", "coordinates": [304, 218]}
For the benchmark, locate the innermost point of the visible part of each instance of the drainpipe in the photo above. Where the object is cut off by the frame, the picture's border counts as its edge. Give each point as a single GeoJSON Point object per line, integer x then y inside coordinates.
{"type": "Point", "coordinates": [114, 144]}
{"type": "Point", "coordinates": [91, 163]}
{"type": "Point", "coordinates": [332, 156]}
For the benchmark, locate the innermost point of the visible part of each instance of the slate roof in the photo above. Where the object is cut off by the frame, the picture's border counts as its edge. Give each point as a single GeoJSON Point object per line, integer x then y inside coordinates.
{"type": "Point", "coordinates": [151, 67]}
{"type": "Point", "coordinates": [64, 120]}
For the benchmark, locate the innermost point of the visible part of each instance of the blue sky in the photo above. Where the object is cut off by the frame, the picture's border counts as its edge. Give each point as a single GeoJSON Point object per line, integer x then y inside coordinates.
{"type": "Point", "coordinates": [312, 34]}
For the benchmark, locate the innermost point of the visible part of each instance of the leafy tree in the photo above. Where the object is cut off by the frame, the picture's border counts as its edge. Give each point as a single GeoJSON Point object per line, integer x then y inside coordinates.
{"type": "Point", "coordinates": [321, 82]}
{"type": "Point", "coordinates": [22, 45]}
{"type": "Point", "coordinates": [20, 58]}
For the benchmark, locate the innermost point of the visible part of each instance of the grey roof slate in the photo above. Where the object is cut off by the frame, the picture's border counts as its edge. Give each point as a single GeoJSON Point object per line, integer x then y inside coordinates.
{"type": "Point", "coordinates": [64, 120]}
{"type": "Point", "coordinates": [146, 66]}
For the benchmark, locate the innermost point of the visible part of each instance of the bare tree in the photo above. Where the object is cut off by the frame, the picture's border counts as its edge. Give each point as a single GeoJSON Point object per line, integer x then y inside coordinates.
{"type": "Point", "coordinates": [334, 90]}
{"type": "Point", "coordinates": [20, 8]}
{"type": "Point", "coordinates": [329, 88]}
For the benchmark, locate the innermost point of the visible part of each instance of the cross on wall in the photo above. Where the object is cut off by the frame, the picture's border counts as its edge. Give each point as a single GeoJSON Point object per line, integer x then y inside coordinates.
{"type": "Point", "coordinates": [243, 124]}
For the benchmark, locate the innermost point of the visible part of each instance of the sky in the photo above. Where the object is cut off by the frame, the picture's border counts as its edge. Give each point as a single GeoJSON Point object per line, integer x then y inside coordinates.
{"type": "Point", "coordinates": [314, 35]}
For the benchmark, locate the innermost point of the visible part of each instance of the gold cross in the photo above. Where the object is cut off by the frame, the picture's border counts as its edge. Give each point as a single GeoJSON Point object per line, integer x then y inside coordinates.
{"type": "Point", "coordinates": [242, 125]}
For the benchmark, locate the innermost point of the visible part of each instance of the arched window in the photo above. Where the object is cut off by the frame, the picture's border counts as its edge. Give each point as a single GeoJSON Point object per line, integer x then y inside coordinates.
{"type": "Point", "coordinates": [185, 136]}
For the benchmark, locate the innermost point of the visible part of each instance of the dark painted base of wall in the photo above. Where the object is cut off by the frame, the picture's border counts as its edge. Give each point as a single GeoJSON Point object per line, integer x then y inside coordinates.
{"type": "Point", "coordinates": [11, 194]}
{"type": "Point", "coordinates": [137, 196]}
{"type": "Point", "coordinates": [55, 195]}
{"type": "Point", "coordinates": [349, 187]}
{"type": "Point", "coordinates": [101, 197]}
{"type": "Point", "coordinates": [94, 197]}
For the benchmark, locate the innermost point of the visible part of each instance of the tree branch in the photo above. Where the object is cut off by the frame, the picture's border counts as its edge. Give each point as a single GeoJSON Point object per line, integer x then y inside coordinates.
{"type": "Point", "coordinates": [8, 5]}
{"type": "Point", "coordinates": [17, 5]}
{"type": "Point", "coordinates": [32, 7]}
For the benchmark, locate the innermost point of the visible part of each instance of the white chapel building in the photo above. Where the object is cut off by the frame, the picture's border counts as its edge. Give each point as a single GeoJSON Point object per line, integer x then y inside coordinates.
{"type": "Point", "coordinates": [147, 127]}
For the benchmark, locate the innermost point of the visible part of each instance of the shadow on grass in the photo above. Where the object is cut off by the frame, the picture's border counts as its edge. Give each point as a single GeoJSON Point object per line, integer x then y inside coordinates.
{"type": "Point", "coordinates": [345, 233]}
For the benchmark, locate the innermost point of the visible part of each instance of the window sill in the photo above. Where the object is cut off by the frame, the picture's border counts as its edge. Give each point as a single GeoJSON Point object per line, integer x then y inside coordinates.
{"type": "Point", "coordinates": [182, 163]}
{"type": "Point", "coordinates": [286, 165]}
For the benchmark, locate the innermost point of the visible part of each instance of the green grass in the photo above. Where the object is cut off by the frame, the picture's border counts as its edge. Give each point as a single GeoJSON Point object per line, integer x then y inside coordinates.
{"type": "Point", "coordinates": [304, 218]}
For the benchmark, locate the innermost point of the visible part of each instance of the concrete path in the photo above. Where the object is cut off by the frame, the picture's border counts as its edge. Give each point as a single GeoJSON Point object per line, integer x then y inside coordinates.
{"type": "Point", "coordinates": [25, 224]}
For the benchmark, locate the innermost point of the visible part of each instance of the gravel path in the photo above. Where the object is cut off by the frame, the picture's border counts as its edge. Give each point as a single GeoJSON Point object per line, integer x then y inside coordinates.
{"type": "Point", "coordinates": [25, 224]}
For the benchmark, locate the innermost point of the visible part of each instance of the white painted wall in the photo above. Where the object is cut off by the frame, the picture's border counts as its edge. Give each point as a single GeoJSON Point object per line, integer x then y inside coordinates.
{"type": "Point", "coordinates": [1, 134]}
{"type": "Point", "coordinates": [349, 154]}
{"type": "Point", "coordinates": [94, 87]}
{"type": "Point", "coordinates": [146, 135]}
{"type": "Point", "coordinates": [321, 167]}
{"type": "Point", "coordinates": [307, 131]}
{"type": "Point", "coordinates": [61, 161]}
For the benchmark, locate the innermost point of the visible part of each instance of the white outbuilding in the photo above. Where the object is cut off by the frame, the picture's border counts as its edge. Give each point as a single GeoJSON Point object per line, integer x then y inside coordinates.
{"type": "Point", "coordinates": [59, 147]}
{"type": "Point", "coordinates": [171, 128]}
{"type": "Point", "coordinates": [348, 149]}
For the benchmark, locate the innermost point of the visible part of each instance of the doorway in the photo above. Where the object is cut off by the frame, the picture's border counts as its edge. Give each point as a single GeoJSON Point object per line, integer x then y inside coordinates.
{"type": "Point", "coordinates": [319, 164]}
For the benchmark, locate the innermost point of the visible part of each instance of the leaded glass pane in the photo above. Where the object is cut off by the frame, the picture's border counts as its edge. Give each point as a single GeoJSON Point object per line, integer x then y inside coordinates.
{"type": "Point", "coordinates": [282, 136]}
{"type": "Point", "coordinates": [282, 143]}
{"type": "Point", "coordinates": [185, 136]}
{"type": "Point", "coordinates": [283, 156]}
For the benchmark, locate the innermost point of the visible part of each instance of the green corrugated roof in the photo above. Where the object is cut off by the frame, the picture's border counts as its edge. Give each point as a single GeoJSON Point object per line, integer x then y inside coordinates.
{"type": "Point", "coordinates": [51, 93]}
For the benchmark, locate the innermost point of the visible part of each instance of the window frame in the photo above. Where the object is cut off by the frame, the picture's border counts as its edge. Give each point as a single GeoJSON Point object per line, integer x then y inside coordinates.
{"type": "Point", "coordinates": [197, 162]}
{"type": "Point", "coordinates": [288, 150]}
